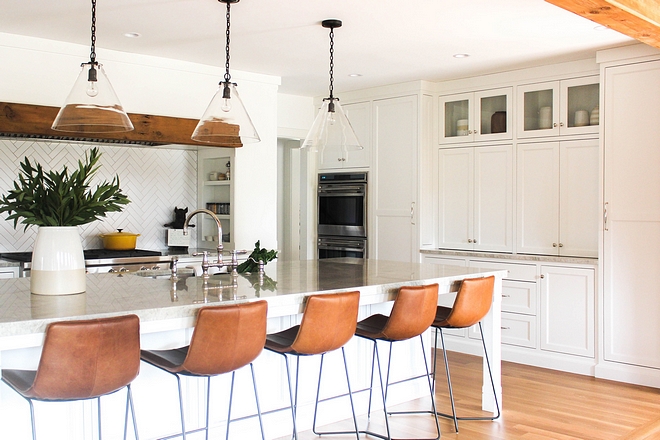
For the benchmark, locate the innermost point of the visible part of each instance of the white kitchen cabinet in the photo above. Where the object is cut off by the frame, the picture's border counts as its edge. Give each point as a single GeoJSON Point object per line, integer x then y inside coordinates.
{"type": "Point", "coordinates": [476, 198]}
{"type": "Point", "coordinates": [557, 198]}
{"type": "Point", "coordinates": [216, 196]}
{"type": "Point", "coordinates": [475, 116]}
{"type": "Point", "coordinates": [631, 236]}
{"type": "Point", "coordinates": [9, 272]}
{"type": "Point", "coordinates": [359, 115]}
{"type": "Point", "coordinates": [568, 310]}
{"type": "Point", "coordinates": [394, 186]}
{"type": "Point", "coordinates": [557, 108]}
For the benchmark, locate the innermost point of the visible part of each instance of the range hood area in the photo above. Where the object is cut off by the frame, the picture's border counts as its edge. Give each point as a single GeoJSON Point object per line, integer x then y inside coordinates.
{"type": "Point", "coordinates": [34, 121]}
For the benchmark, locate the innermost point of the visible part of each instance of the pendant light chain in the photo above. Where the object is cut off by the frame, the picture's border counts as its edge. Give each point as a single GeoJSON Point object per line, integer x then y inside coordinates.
{"type": "Point", "coordinates": [332, 60]}
{"type": "Point", "coordinates": [227, 75]}
{"type": "Point", "coordinates": [92, 55]}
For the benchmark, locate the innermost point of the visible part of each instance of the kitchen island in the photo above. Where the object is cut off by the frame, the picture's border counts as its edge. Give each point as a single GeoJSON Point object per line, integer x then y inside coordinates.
{"type": "Point", "coordinates": [167, 312]}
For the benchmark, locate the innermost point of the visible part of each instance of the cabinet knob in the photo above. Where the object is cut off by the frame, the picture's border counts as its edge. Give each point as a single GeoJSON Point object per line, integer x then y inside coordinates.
{"type": "Point", "coordinates": [542, 276]}
{"type": "Point", "coordinates": [561, 244]}
{"type": "Point", "coordinates": [554, 244]}
{"type": "Point", "coordinates": [476, 132]}
{"type": "Point", "coordinates": [554, 125]}
{"type": "Point", "coordinates": [339, 159]}
{"type": "Point", "coordinates": [469, 240]}
{"type": "Point", "coordinates": [561, 124]}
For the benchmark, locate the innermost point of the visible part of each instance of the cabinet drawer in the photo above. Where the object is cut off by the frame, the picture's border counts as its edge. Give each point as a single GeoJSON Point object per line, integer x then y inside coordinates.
{"type": "Point", "coordinates": [519, 297]}
{"type": "Point", "coordinates": [520, 272]}
{"type": "Point", "coordinates": [519, 330]}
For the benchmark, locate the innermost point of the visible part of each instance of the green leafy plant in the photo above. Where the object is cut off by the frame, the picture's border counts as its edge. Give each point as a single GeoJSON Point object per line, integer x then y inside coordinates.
{"type": "Point", "coordinates": [58, 199]}
{"type": "Point", "coordinates": [258, 254]}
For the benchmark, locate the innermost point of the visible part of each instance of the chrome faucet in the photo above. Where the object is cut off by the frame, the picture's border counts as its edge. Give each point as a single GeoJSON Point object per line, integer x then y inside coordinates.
{"type": "Point", "coordinates": [219, 263]}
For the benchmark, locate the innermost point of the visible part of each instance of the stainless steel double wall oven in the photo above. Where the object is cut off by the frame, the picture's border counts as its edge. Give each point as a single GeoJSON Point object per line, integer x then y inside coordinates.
{"type": "Point", "coordinates": [342, 215]}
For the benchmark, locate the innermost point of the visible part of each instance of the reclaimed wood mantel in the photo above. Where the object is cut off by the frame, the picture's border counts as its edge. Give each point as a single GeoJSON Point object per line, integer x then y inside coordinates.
{"type": "Point", "coordinates": [639, 19]}
{"type": "Point", "coordinates": [34, 121]}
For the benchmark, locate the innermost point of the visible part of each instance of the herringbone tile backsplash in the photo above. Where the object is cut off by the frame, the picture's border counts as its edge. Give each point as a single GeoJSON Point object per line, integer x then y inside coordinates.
{"type": "Point", "coordinates": [154, 179]}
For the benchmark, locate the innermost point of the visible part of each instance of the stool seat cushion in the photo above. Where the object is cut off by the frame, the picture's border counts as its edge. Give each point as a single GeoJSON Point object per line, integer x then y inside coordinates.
{"type": "Point", "coordinates": [441, 315]}
{"type": "Point", "coordinates": [372, 327]}
{"type": "Point", "coordinates": [170, 360]}
{"type": "Point", "coordinates": [281, 342]}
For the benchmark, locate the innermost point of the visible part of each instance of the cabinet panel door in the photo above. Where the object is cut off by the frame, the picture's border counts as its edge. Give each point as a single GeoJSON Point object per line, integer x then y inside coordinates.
{"type": "Point", "coordinates": [568, 310]}
{"type": "Point", "coordinates": [493, 110]}
{"type": "Point", "coordinates": [395, 184]}
{"type": "Point", "coordinates": [631, 247]}
{"type": "Point", "coordinates": [579, 97]}
{"type": "Point", "coordinates": [579, 210]}
{"type": "Point", "coordinates": [538, 198]}
{"type": "Point", "coordinates": [455, 179]}
{"type": "Point", "coordinates": [493, 198]}
{"type": "Point", "coordinates": [359, 115]}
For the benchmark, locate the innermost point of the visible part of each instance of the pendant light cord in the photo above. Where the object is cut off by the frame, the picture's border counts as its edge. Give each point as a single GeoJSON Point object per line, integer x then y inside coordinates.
{"type": "Point", "coordinates": [227, 75]}
{"type": "Point", "coordinates": [332, 61]}
{"type": "Point", "coordinates": [92, 55]}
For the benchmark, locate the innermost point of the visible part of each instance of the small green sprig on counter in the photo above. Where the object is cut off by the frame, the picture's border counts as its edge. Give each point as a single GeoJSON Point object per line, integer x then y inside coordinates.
{"type": "Point", "coordinates": [258, 254]}
{"type": "Point", "coordinates": [58, 199]}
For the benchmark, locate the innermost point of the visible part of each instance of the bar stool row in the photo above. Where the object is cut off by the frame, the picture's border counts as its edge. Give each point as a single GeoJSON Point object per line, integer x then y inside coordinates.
{"type": "Point", "coordinates": [88, 359]}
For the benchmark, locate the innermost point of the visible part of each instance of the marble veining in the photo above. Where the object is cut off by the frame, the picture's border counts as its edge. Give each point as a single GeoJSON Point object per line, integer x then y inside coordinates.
{"type": "Point", "coordinates": [284, 286]}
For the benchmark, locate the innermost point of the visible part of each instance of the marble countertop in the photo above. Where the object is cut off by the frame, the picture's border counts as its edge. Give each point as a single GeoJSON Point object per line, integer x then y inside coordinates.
{"type": "Point", "coordinates": [504, 256]}
{"type": "Point", "coordinates": [157, 298]}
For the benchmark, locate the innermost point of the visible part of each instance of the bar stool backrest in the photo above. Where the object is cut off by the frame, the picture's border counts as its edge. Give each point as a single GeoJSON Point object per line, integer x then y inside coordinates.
{"type": "Point", "coordinates": [226, 338]}
{"type": "Point", "coordinates": [472, 302]}
{"type": "Point", "coordinates": [86, 359]}
{"type": "Point", "coordinates": [328, 323]}
{"type": "Point", "coordinates": [413, 312]}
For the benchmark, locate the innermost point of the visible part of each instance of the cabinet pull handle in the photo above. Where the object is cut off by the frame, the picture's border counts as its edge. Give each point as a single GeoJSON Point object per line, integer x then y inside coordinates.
{"type": "Point", "coordinates": [505, 328]}
{"type": "Point", "coordinates": [605, 217]}
{"type": "Point", "coordinates": [506, 296]}
{"type": "Point", "coordinates": [412, 213]}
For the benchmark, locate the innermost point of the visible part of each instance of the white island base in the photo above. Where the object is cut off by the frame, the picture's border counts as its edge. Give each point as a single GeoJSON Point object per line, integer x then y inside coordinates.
{"type": "Point", "coordinates": [167, 312]}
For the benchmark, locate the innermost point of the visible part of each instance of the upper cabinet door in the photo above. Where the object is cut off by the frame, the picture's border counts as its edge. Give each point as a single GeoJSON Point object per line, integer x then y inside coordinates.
{"type": "Point", "coordinates": [559, 108]}
{"type": "Point", "coordinates": [580, 112]}
{"type": "Point", "coordinates": [478, 116]}
{"type": "Point", "coordinates": [359, 115]}
{"type": "Point", "coordinates": [456, 189]}
{"type": "Point", "coordinates": [456, 118]}
{"type": "Point", "coordinates": [493, 114]}
{"type": "Point", "coordinates": [538, 110]}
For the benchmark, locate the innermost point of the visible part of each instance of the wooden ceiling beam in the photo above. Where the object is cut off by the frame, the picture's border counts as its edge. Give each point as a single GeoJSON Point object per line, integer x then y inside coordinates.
{"type": "Point", "coordinates": [639, 19]}
{"type": "Point", "coordinates": [34, 121]}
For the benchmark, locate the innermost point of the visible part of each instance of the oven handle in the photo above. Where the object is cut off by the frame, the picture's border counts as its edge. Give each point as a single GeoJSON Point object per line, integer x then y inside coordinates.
{"type": "Point", "coordinates": [350, 190]}
{"type": "Point", "coordinates": [336, 248]}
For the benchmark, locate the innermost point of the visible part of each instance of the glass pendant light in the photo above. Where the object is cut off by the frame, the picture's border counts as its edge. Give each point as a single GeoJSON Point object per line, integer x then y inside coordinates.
{"type": "Point", "coordinates": [92, 106]}
{"type": "Point", "coordinates": [225, 119]}
{"type": "Point", "coordinates": [331, 128]}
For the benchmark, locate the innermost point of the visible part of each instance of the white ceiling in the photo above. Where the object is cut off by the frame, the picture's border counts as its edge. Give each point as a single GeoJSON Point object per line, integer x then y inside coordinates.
{"type": "Point", "coordinates": [383, 40]}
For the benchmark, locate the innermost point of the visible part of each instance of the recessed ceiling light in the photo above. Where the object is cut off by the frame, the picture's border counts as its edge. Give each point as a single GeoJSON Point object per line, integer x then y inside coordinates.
{"type": "Point", "coordinates": [132, 35]}
{"type": "Point", "coordinates": [601, 28]}
{"type": "Point", "coordinates": [461, 55]}
{"type": "Point", "coordinates": [354, 75]}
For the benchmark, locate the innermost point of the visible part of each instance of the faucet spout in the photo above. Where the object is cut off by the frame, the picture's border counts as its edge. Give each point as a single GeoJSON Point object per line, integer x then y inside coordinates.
{"type": "Point", "coordinates": [217, 222]}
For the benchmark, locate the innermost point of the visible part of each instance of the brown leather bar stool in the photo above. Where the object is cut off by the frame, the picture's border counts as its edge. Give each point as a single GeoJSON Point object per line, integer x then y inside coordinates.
{"type": "Point", "coordinates": [328, 323]}
{"type": "Point", "coordinates": [412, 314]}
{"type": "Point", "coordinates": [83, 360]}
{"type": "Point", "coordinates": [225, 339]}
{"type": "Point", "coordinates": [472, 303]}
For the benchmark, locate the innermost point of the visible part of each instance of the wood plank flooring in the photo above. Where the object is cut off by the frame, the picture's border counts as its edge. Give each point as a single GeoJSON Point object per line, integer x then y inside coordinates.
{"type": "Point", "coordinates": [539, 404]}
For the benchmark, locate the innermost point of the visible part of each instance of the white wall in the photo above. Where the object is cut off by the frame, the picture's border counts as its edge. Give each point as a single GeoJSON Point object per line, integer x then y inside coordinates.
{"type": "Point", "coordinates": [37, 71]}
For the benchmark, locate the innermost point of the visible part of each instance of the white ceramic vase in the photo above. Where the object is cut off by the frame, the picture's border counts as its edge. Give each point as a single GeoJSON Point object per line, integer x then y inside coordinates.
{"type": "Point", "coordinates": [58, 263]}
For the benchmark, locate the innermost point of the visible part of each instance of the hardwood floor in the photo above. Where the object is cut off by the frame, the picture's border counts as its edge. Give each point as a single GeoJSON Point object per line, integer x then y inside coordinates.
{"type": "Point", "coordinates": [539, 404]}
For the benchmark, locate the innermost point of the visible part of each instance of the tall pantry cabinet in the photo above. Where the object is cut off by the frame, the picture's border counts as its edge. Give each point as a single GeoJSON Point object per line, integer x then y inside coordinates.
{"type": "Point", "coordinates": [631, 222]}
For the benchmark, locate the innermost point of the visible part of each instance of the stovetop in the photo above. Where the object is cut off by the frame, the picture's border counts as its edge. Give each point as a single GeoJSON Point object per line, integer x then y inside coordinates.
{"type": "Point", "coordinates": [90, 254]}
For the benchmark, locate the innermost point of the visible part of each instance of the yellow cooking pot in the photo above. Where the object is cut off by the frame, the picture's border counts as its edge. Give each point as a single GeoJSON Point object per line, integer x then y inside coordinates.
{"type": "Point", "coordinates": [119, 241]}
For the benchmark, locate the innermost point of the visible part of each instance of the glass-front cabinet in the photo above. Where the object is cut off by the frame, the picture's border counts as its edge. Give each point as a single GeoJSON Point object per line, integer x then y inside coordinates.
{"type": "Point", "coordinates": [216, 194]}
{"type": "Point", "coordinates": [474, 117]}
{"type": "Point", "coordinates": [556, 108]}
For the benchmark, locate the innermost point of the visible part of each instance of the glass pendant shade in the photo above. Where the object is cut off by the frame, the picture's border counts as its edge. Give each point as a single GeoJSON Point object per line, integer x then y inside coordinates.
{"type": "Point", "coordinates": [226, 120]}
{"type": "Point", "coordinates": [331, 128]}
{"type": "Point", "coordinates": [92, 105]}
